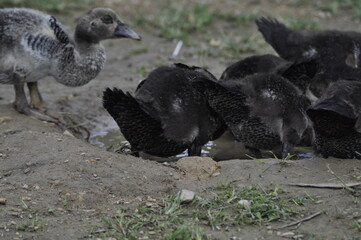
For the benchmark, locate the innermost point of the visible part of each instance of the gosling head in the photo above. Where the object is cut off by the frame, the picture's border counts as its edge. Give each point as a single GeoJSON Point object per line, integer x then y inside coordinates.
{"type": "Point", "coordinates": [102, 23]}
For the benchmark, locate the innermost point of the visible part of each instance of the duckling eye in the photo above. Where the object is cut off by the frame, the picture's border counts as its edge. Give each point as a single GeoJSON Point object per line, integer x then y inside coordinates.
{"type": "Point", "coordinates": [107, 19]}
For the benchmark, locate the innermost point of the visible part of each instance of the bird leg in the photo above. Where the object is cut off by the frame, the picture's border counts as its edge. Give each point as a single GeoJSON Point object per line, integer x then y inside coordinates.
{"type": "Point", "coordinates": [35, 97]}
{"type": "Point", "coordinates": [21, 103]}
{"type": "Point", "coordinates": [286, 149]}
{"type": "Point", "coordinates": [254, 152]}
{"type": "Point", "coordinates": [134, 152]}
{"type": "Point", "coordinates": [194, 150]}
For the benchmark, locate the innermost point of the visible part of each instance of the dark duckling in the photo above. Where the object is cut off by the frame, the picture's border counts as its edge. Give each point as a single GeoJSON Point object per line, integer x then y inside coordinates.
{"type": "Point", "coordinates": [300, 73]}
{"type": "Point", "coordinates": [338, 51]}
{"type": "Point", "coordinates": [34, 45]}
{"type": "Point", "coordinates": [263, 111]}
{"type": "Point", "coordinates": [337, 121]}
{"type": "Point", "coordinates": [167, 115]}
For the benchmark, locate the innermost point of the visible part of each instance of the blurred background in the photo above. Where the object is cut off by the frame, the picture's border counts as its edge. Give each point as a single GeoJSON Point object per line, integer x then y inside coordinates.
{"type": "Point", "coordinates": [223, 29]}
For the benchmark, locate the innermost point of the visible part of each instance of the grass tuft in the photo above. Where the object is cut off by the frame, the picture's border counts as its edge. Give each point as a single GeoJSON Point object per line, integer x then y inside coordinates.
{"type": "Point", "coordinates": [228, 208]}
{"type": "Point", "coordinates": [177, 22]}
{"type": "Point", "coordinates": [47, 5]}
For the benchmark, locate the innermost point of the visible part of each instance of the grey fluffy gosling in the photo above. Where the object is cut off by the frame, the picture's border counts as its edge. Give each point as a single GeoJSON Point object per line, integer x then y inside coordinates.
{"type": "Point", "coordinates": [34, 45]}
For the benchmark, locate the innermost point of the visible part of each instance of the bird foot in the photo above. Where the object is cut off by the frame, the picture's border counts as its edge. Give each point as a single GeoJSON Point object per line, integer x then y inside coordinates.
{"type": "Point", "coordinates": [37, 104]}
{"type": "Point", "coordinates": [25, 109]}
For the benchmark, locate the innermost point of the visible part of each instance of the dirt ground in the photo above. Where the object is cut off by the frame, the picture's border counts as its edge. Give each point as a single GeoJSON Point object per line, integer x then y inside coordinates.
{"type": "Point", "coordinates": [69, 184]}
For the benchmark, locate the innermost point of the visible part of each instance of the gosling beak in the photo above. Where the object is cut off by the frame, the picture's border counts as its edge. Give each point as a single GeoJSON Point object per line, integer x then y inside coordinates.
{"type": "Point", "coordinates": [123, 31]}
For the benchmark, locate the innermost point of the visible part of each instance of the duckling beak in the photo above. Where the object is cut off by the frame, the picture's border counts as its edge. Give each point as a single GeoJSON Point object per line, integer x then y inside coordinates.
{"type": "Point", "coordinates": [123, 31]}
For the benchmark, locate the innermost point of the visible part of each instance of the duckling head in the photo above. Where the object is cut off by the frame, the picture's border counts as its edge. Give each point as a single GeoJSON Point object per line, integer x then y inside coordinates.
{"type": "Point", "coordinates": [102, 23]}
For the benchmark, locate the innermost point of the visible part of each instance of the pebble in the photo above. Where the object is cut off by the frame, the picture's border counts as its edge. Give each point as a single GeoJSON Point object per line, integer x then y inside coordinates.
{"type": "Point", "coordinates": [67, 133]}
{"type": "Point", "coordinates": [299, 236]}
{"type": "Point", "coordinates": [27, 170]}
{"type": "Point", "coordinates": [287, 234]}
{"type": "Point", "coordinates": [245, 203]}
{"type": "Point", "coordinates": [7, 174]}
{"type": "Point", "coordinates": [186, 195]}
{"type": "Point", "coordinates": [5, 119]}
{"type": "Point", "coordinates": [3, 201]}
{"type": "Point", "coordinates": [198, 167]}
{"type": "Point", "coordinates": [66, 160]}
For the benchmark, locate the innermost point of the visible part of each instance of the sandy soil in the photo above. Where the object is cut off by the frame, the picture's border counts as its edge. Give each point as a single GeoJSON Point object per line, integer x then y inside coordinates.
{"type": "Point", "coordinates": [42, 168]}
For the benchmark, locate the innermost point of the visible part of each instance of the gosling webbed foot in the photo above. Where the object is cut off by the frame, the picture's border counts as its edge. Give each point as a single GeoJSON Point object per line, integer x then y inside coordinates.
{"type": "Point", "coordinates": [21, 103]}
{"type": "Point", "coordinates": [27, 110]}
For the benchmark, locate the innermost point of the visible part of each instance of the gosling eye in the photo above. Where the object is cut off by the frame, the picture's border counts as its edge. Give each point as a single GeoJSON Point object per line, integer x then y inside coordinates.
{"type": "Point", "coordinates": [107, 19]}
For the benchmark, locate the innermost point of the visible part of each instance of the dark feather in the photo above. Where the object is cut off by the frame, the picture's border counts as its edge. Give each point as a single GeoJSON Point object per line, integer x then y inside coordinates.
{"type": "Point", "coordinates": [336, 120]}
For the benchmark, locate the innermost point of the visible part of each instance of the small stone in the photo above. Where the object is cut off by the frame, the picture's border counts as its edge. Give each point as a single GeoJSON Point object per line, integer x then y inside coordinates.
{"type": "Point", "coordinates": [287, 234]}
{"type": "Point", "coordinates": [269, 232]}
{"type": "Point", "coordinates": [198, 167]}
{"type": "Point", "coordinates": [25, 186]}
{"type": "Point", "coordinates": [36, 187]}
{"type": "Point", "coordinates": [82, 154]}
{"type": "Point", "coordinates": [27, 170]}
{"type": "Point", "coordinates": [149, 199]}
{"type": "Point", "coordinates": [244, 203]}
{"type": "Point", "coordinates": [3, 201]}
{"type": "Point", "coordinates": [67, 133]}
{"type": "Point", "coordinates": [299, 236]}
{"type": "Point", "coordinates": [186, 195]}
{"type": "Point", "coordinates": [5, 119]}
{"type": "Point", "coordinates": [66, 160]}
{"type": "Point", "coordinates": [7, 174]}
{"type": "Point", "coordinates": [215, 43]}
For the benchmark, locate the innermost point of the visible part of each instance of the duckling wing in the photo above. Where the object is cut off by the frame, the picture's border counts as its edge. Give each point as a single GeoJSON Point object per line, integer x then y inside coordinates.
{"type": "Point", "coordinates": [44, 47]}
{"type": "Point", "coordinates": [340, 106]}
{"type": "Point", "coordinates": [227, 101]}
{"type": "Point", "coordinates": [267, 63]}
{"type": "Point", "coordinates": [137, 126]}
{"type": "Point", "coordinates": [301, 72]}
{"type": "Point", "coordinates": [278, 104]}
{"type": "Point", "coordinates": [289, 44]}
{"type": "Point", "coordinates": [142, 131]}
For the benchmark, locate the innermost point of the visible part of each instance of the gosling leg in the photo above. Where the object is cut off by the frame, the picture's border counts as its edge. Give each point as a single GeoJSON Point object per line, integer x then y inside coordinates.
{"type": "Point", "coordinates": [35, 97]}
{"type": "Point", "coordinates": [21, 103]}
{"type": "Point", "coordinates": [194, 150]}
{"type": "Point", "coordinates": [254, 152]}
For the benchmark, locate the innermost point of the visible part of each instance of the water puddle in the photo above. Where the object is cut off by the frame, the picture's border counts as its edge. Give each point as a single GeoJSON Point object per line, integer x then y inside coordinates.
{"type": "Point", "coordinates": [106, 134]}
